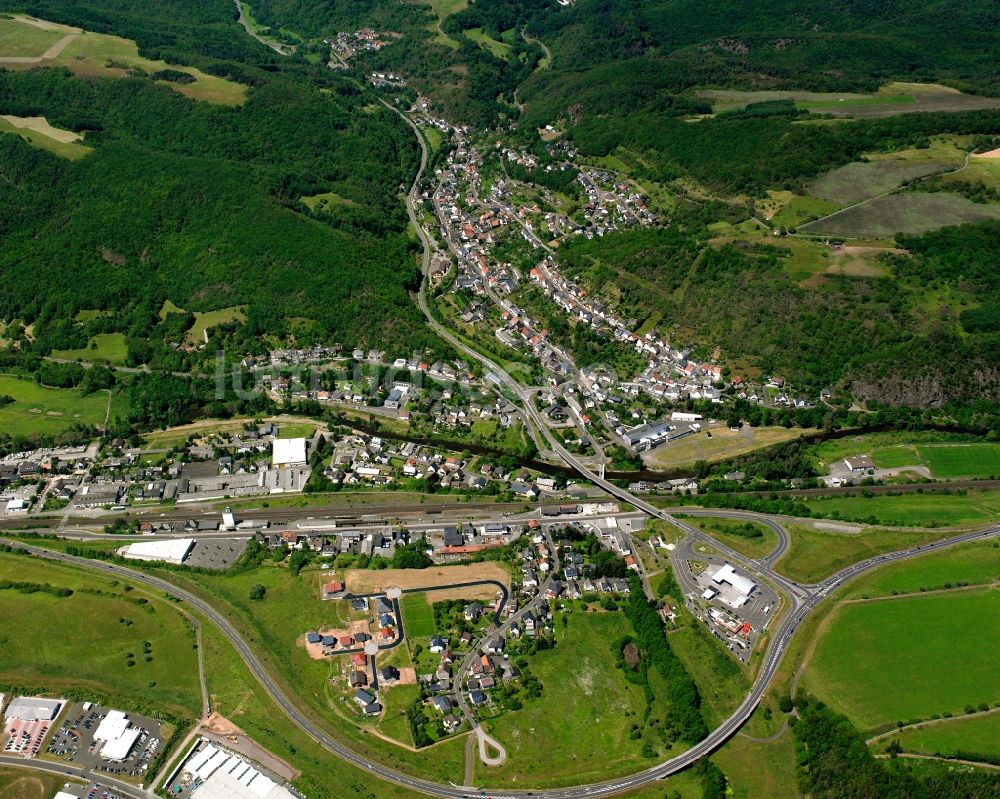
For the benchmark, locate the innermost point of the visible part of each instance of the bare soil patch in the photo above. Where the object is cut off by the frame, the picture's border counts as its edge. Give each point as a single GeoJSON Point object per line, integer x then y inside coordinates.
{"type": "Point", "coordinates": [41, 125]}
{"type": "Point", "coordinates": [366, 581]}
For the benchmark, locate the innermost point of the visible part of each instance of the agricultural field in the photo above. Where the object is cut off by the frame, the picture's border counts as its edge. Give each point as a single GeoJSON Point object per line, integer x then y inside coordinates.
{"type": "Point", "coordinates": [726, 531]}
{"type": "Point", "coordinates": [103, 348]}
{"type": "Point", "coordinates": [975, 563]}
{"type": "Point", "coordinates": [418, 615]}
{"type": "Point", "coordinates": [39, 133]}
{"type": "Point", "coordinates": [948, 737]}
{"type": "Point", "coordinates": [87, 53]}
{"type": "Point", "coordinates": [38, 410]}
{"type": "Point", "coordinates": [890, 100]}
{"type": "Point", "coordinates": [914, 509]}
{"type": "Point", "coordinates": [124, 644]}
{"type": "Point", "coordinates": [815, 554]}
{"type": "Point", "coordinates": [721, 445]}
{"type": "Point", "coordinates": [890, 660]}
{"type": "Point", "coordinates": [25, 37]}
{"type": "Point", "coordinates": [16, 783]}
{"type": "Point", "coordinates": [862, 180]}
{"type": "Point", "coordinates": [912, 213]}
{"type": "Point", "coordinates": [367, 581]}
{"type": "Point", "coordinates": [582, 664]}
{"type": "Point", "coordinates": [203, 322]}
{"type": "Point", "coordinates": [791, 210]}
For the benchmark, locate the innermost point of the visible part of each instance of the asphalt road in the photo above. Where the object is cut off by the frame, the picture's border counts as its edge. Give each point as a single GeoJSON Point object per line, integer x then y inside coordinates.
{"type": "Point", "coordinates": [718, 736]}
{"type": "Point", "coordinates": [69, 771]}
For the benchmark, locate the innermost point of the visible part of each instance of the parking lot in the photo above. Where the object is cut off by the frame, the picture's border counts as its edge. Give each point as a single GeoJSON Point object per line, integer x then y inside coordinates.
{"type": "Point", "coordinates": [73, 741]}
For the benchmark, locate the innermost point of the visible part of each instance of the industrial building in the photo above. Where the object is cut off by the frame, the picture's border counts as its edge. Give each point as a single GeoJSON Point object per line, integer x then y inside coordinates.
{"type": "Point", "coordinates": [118, 736]}
{"type": "Point", "coordinates": [32, 708]}
{"type": "Point", "coordinates": [732, 588]}
{"type": "Point", "coordinates": [220, 774]}
{"type": "Point", "coordinates": [169, 551]}
{"type": "Point", "coordinates": [288, 452]}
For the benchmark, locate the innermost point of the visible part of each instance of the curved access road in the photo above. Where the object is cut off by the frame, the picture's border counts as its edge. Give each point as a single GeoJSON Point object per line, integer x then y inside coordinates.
{"type": "Point", "coordinates": [718, 736]}
{"type": "Point", "coordinates": [783, 541]}
{"type": "Point", "coordinates": [75, 772]}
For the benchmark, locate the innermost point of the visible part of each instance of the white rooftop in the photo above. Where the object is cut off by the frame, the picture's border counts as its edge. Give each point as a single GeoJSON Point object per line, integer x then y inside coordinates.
{"type": "Point", "coordinates": [112, 726]}
{"type": "Point", "coordinates": [228, 776]}
{"type": "Point", "coordinates": [32, 708]}
{"type": "Point", "coordinates": [727, 576]}
{"type": "Point", "coordinates": [118, 748]}
{"type": "Point", "coordinates": [171, 551]}
{"type": "Point", "coordinates": [287, 451]}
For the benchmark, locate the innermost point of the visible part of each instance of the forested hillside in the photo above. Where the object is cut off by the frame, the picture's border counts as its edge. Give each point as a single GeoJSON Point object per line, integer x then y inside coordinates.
{"type": "Point", "coordinates": [200, 204]}
{"type": "Point", "coordinates": [872, 333]}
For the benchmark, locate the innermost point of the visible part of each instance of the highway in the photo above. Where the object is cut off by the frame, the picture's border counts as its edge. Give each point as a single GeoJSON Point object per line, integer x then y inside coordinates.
{"type": "Point", "coordinates": [804, 601]}
{"type": "Point", "coordinates": [772, 659]}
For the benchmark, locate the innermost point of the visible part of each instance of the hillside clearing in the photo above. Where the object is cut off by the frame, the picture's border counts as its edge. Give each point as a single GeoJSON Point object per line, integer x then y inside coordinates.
{"type": "Point", "coordinates": [911, 213]}
{"type": "Point", "coordinates": [861, 180]}
{"type": "Point", "coordinates": [39, 133]}
{"type": "Point", "coordinates": [723, 444]}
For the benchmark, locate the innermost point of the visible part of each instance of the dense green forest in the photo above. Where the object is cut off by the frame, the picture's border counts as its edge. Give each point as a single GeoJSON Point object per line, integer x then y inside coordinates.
{"type": "Point", "coordinates": [200, 204]}
{"type": "Point", "coordinates": [835, 763]}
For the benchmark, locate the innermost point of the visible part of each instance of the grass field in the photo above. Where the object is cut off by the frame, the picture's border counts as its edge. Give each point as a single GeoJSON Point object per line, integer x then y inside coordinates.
{"type": "Point", "coordinates": [444, 9]}
{"type": "Point", "coordinates": [975, 563]}
{"type": "Point", "coordinates": [434, 138]}
{"type": "Point", "coordinates": [498, 49]}
{"type": "Point", "coordinates": [912, 213]}
{"type": "Point", "coordinates": [237, 696]}
{"type": "Point", "coordinates": [37, 410]}
{"type": "Point", "coordinates": [16, 783]}
{"type": "Point", "coordinates": [903, 659]}
{"type": "Point", "coordinates": [794, 209]}
{"type": "Point", "coordinates": [24, 45]}
{"type": "Point", "coordinates": [913, 510]}
{"type": "Point", "coordinates": [722, 529]}
{"type": "Point", "coordinates": [290, 608]}
{"type": "Point", "coordinates": [891, 99]}
{"type": "Point", "coordinates": [979, 734]}
{"type": "Point", "coordinates": [83, 640]}
{"type": "Point", "coordinates": [583, 716]}
{"type": "Point", "coordinates": [986, 170]}
{"type": "Point", "coordinates": [862, 180]}
{"type": "Point", "coordinates": [203, 322]}
{"type": "Point", "coordinates": [296, 430]}
{"type": "Point", "coordinates": [418, 615]}
{"type": "Point", "coordinates": [104, 347]}
{"type": "Point", "coordinates": [723, 444]}
{"type": "Point", "coordinates": [721, 681]}
{"type": "Point", "coordinates": [39, 133]}
{"type": "Point", "coordinates": [816, 554]}
{"type": "Point", "coordinates": [21, 38]}
{"type": "Point", "coordinates": [755, 770]}
{"type": "Point", "coordinates": [325, 202]}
